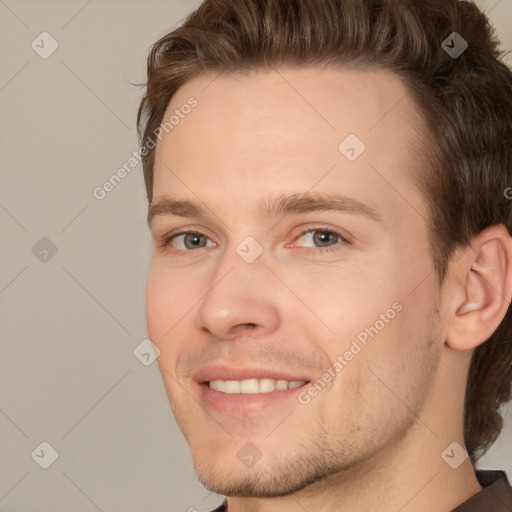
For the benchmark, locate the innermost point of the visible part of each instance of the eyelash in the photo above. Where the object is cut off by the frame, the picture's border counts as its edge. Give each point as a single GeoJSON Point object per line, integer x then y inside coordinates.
{"type": "Point", "coordinates": [165, 244]}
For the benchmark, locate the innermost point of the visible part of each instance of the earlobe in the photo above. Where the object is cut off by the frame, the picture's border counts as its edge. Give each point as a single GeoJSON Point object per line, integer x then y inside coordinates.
{"type": "Point", "coordinates": [486, 289]}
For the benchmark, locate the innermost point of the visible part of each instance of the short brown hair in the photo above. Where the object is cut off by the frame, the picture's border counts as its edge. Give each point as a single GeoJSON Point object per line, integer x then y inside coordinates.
{"type": "Point", "coordinates": [466, 103]}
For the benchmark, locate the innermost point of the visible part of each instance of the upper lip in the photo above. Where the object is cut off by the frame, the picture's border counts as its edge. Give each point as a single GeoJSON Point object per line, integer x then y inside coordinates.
{"type": "Point", "coordinates": [217, 372]}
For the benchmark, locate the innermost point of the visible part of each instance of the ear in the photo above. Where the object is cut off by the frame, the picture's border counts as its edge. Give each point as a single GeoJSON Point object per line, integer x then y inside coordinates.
{"type": "Point", "coordinates": [482, 289]}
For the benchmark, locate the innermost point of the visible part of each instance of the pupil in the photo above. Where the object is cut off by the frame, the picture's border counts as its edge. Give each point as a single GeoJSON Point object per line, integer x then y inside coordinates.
{"type": "Point", "coordinates": [322, 237]}
{"type": "Point", "coordinates": [194, 239]}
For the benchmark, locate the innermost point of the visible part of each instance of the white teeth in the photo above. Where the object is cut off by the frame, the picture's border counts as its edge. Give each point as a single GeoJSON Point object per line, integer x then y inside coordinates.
{"type": "Point", "coordinates": [253, 386]}
{"type": "Point", "coordinates": [267, 385]}
{"type": "Point", "coordinates": [249, 386]}
{"type": "Point", "coordinates": [231, 386]}
{"type": "Point", "coordinates": [282, 384]}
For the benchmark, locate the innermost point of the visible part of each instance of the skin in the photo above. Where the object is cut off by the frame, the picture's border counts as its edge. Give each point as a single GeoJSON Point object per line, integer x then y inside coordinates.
{"type": "Point", "coordinates": [372, 438]}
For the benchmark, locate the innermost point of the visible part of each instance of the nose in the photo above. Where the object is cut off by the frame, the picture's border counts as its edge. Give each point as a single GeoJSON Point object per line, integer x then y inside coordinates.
{"type": "Point", "coordinates": [241, 298]}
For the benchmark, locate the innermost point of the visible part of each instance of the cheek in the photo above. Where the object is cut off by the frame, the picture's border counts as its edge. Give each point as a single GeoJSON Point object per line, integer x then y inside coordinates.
{"type": "Point", "coordinates": [345, 302]}
{"type": "Point", "coordinates": [366, 320]}
{"type": "Point", "coordinates": [155, 306]}
{"type": "Point", "coordinates": [382, 379]}
{"type": "Point", "coordinates": [401, 359]}
{"type": "Point", "coordinates": [164, 303]}
{"type": "Point", "coordinates": [164, 309]}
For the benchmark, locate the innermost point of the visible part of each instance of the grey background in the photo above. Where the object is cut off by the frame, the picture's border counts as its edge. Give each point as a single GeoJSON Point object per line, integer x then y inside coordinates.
{"type": "Point", "coordinates": [71, 323]}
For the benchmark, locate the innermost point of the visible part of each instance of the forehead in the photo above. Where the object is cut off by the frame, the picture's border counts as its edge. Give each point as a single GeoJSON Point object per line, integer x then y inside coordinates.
{"type": "Point", "coordinates": [335, 99]}
{"type": "Point", "coordinates": [286, 127]}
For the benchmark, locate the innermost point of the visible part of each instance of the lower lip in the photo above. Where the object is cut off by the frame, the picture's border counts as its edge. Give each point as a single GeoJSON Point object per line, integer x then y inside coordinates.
{"type": "Point", "coordinates": [246, 404]}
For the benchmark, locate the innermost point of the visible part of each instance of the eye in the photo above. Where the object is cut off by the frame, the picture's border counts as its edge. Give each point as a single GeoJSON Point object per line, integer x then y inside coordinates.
{"type": "Point", "coordinates": [324, 239]}
{"type": "Point", "coordinates": [187, 240]}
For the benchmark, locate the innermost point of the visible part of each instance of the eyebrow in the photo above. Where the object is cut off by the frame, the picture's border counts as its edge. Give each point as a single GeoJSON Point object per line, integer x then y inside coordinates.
{"type": "Point", "coordinates": [272, 206]}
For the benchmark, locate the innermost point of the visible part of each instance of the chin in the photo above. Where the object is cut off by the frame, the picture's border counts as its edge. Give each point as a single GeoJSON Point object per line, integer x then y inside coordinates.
{"type": "Point", "coordinates": [277, 478]}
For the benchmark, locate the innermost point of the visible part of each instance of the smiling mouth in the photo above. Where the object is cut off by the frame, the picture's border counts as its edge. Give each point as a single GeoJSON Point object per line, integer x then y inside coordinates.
{"type": "Point", "coordinates": [254, 386]}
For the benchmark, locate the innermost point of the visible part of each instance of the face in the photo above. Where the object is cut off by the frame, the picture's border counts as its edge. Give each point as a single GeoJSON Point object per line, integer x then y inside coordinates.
{"type": "Point", "coordinates": [294, 306]}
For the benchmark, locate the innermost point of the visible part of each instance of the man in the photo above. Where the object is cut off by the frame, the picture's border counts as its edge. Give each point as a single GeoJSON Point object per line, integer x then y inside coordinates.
{"type": "Point", "coordinates": [332, 267]}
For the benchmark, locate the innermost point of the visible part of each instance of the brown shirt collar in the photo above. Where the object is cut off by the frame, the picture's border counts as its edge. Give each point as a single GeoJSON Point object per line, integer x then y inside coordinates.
{"type": "Point", "coordinates": [496, 495]}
